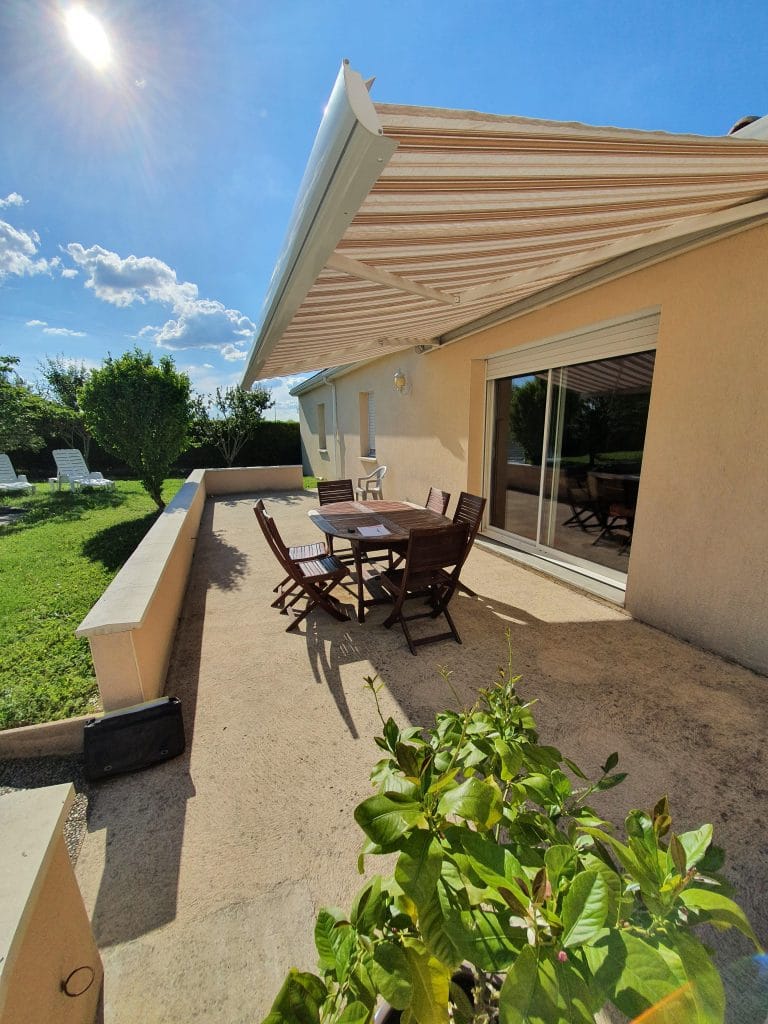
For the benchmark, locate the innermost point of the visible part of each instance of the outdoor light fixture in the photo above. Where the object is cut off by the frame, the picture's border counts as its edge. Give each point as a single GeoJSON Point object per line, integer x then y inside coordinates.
{"type": "Point", "coordinates": [400, 383]}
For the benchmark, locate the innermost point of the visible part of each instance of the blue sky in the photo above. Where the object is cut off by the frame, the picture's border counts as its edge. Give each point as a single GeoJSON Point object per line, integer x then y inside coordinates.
{"type": "Point", "coordinates": [146, 203]}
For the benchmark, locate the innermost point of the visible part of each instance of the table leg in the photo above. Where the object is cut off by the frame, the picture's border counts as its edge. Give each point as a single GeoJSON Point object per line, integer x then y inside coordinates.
{"type": "Point", "coordinates": [357, 550]}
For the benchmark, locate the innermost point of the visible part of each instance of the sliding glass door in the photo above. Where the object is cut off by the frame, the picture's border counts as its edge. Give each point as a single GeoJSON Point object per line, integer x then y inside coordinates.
{"type": "Point", "coordinates": [567, 452]}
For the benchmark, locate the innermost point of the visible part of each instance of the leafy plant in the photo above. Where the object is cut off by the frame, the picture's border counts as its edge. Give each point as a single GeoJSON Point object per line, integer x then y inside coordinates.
{"type": "Point", "coordinates": [24, 416]}
{"type": "Point", "coordinates": [229, 418]}
{"type": "Point", "coordinates": [506, 871]}
{"type": "Point", "coordinates": [63, 379]}
{"type": "Point", "coordinates": [141, 412]}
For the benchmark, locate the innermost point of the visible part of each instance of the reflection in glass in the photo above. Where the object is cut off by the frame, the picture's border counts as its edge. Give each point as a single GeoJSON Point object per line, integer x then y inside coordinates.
{"type": "Point", "coordinates": [568, 449]}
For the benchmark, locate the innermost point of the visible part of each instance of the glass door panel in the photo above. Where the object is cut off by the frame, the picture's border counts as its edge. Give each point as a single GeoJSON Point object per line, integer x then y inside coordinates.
{"type": "Point", "coordinates": [567, 453]}
{"type": "Point", "coordinates": [520, 415]}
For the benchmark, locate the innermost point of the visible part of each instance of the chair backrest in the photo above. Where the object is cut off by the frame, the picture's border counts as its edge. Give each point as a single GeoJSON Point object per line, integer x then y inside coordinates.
{"type": "Point", "coordinates": [70, 462]}
{"type": "Point", "coordinates": [378, 474]}
{"type": "Point", "coordinates": [329, 491]}
{"type": "Point", "coordinates": [435, 549]}
{"type": "Point", "coordinates": [272, 534]}
{"type": "Point", "coordinates": [437, 500]}
{"type": "Point", "coordinates": [7, 472]}
{"type": "Point", "coordinates": [469, 510]}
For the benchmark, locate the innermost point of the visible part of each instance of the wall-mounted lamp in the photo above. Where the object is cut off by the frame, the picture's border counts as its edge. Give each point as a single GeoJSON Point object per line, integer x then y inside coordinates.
{"type": "Point", "coordinates": [400, 383]}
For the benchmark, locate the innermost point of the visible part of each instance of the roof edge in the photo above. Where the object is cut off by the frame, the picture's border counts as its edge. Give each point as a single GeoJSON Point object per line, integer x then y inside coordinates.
{"type": "Point", "coordinates": [349, 153]}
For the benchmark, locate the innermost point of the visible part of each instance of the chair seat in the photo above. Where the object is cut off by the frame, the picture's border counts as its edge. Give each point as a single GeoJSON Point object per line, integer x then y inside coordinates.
{"type": "Point", "coordinates": [303, 551]}
{"type": "Point", "coordinates": [392, 579]}
{"type": "Point", "coordinates": [321, 568]}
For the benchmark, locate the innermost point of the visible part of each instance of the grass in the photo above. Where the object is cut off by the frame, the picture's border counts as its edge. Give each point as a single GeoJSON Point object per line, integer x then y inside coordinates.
{"type": "Point", "coordinates": [310, 483]}
{"type": "Point", "coordinates": [54, 564]}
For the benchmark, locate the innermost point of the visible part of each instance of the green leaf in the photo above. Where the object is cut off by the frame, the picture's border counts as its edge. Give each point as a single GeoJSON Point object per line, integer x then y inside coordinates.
{"type": "Point", "coordinates": [354, 1013]}
{"type": "Point", "coordinates": [485, 938]}
{"type": "Point", "coordinates": [700, 996]}
{"type": "Point", "coordinates": [474, 800]}
{"type": "Point", "coordinates": [574, 768]}
{"type": "Point", "coordinates": [435, 929]}
{"type": "Point", "coordinates": [511, 758]}
{"type": "Point", "coordinates": [559, 860]}
{"type": "Point", "coordinates": [418, 867]}
{"type": "Point", "coordinates": [493, 863]}
{"type": "Point", "coordinates": [540, 990]}
{"type": "Point", "coordinates": [611, 761]}
{"type": "Point", "coordinates": [677, 853]}
{"type": "Point", "coordinates": [630, 972]}
{"type": "Point", "coordinates": [695, 844]}
{"type": "Point", "coordinates": [587, 905]}
{"type": "Point", "coordinates": [299, 1000]}
{"type": "Point", "coordinates": [391, 974]}
{"type": "Point", "coordinates": [409, 759]}
{"type": "Point", "coordinates": [384, 820]}
{"type": "Point", "coordinates": [430, 982]}
{"type": "Point", "coordinates": [367, 906]}
{"type": "Point", "coordinates": [719, 910]}
{"type": "Point", "coordinates": [331, 931]}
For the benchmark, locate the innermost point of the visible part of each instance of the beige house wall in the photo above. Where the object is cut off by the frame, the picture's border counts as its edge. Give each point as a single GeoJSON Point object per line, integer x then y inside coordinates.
{"type": "Point", "coordinates": [698, 566]}
{"type": "Point", "coordinates": [320, 462]}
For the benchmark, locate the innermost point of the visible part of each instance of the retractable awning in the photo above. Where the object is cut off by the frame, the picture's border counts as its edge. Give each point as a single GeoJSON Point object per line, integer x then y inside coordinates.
{"type": "Point", "coordinates": [413, 222]}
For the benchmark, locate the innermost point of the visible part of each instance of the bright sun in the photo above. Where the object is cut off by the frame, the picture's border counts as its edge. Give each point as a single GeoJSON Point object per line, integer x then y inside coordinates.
{"type": "Point", "coordinates": [88, 36]}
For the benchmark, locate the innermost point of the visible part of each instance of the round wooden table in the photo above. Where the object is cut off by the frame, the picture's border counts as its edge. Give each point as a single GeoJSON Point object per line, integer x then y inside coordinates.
{"type": "Point", "coordinates": [373, 526]}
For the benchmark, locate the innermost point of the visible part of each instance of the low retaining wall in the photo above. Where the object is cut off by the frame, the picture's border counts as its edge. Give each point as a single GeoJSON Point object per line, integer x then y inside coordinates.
{"type": "Point", "coordinates": [132, 626]}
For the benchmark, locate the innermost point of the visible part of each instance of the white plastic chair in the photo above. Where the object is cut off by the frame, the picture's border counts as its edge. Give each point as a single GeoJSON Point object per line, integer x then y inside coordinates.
{"type": "Point", "coordinates": [370, 486]}
{"type": "Point", "coordinates": [9, 480]}
{"type": "Point", "coordinates": [71, 468]}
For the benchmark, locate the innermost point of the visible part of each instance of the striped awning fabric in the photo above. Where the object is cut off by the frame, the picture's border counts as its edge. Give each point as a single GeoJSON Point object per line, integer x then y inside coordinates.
{"type": "Point", "coordinates": [483, 210]}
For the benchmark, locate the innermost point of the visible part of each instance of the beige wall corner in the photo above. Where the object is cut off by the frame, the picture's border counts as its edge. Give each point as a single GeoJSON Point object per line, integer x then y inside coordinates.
{"type": "Point", "coordinates": [47, 947]}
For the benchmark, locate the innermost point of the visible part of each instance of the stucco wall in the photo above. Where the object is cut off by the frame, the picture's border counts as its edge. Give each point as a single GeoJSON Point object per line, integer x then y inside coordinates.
{"type": "Point", "coordinates": [698, 565]}
{"type": "Point", "coordinates": [316, 461]}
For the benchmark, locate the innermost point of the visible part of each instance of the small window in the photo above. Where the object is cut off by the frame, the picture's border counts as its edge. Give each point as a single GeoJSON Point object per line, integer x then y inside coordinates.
{"type": "Point", "coordinates": [322, 440]}
{"type": "Point", "coordinates": [367, 425]}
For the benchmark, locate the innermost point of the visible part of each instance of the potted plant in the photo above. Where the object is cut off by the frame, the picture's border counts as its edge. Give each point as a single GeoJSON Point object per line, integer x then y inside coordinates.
{"type": "Point", "coordinates": [505, 874]}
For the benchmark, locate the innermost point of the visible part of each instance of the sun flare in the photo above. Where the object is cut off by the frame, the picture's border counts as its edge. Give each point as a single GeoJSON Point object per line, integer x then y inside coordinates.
{"type": "Point", "coordinates": [88, 36]}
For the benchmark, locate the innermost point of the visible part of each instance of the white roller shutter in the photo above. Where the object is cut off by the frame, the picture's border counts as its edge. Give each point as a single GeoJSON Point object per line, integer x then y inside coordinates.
{"type": "Point", "coordinates": [618, 337]}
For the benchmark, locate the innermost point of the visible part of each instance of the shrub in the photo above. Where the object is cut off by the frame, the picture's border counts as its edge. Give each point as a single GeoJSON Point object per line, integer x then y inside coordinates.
{"type": "Point", "coordinates": [505, 868]}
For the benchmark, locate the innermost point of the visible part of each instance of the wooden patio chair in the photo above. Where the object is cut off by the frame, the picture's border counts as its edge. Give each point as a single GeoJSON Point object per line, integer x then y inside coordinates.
{"type": "Point", "coordinates": [297, 553]}
{"type": "Point", "coordinates": [309, 575]}
{"type": "Point", "coordinates": [329, 492]}
{"type": "Point", "coordinates": [437, 501]}
{"type": "Point", "coordinates": [469, 512]}
{"type": "Point", "coordinates": [431, 553]}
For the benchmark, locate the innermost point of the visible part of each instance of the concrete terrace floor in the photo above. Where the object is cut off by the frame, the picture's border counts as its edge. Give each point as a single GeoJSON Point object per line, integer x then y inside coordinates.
{"type": "Point", "coordinates": [203, 876]}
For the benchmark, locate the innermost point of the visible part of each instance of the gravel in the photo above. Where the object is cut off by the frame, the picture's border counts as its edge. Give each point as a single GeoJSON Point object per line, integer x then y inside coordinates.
{"type": "Point", "coordinates": [35, 772]}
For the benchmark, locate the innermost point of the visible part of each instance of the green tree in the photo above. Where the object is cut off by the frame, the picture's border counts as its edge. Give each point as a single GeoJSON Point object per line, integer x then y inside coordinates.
{"type": "Point", "coordinates": [229, 418]}
{"type": "Point", "coordinates": [63, 380]}
{"type": "Point", "coordinates": [141, 412]}
{"type": "Point", "coordinates": [24, 416]}
{"type": "Point", "coordinates": [527, 405]}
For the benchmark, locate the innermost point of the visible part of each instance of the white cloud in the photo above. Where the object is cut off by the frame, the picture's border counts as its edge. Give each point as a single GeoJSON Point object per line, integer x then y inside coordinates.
{"type": "Point", "coordinates": [206, 323]}
{"type": "Point", "coordinates": [286, 407]}
{"type": "Point", "coordinates": [55, 330]}
{"type": "Point", "coordinates": [68, 272]}
{"type": "Point", "coordinates": [18, 252]}
{"type": "Point", "coordinates": [64, 330]}
{"type": "Point", "coordinates": [12, 199]}
{"type": "Point", "coordinates": [133, 279]}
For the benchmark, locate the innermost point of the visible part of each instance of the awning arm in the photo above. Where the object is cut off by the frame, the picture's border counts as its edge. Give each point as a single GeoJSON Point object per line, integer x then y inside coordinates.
{"type": "Point", "coordinates": [401, 284]}
{"type": "Point", "coordinates": [349, 154]}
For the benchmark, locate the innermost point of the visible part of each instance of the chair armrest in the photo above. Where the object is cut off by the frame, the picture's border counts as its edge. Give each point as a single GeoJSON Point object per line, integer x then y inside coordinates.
{"type": "Point", "coordinates": [21, 478]}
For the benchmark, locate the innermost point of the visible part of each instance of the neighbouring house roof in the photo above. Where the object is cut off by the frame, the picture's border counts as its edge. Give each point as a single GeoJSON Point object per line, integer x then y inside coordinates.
{"type": "Point", "coordinates": [413, 222]}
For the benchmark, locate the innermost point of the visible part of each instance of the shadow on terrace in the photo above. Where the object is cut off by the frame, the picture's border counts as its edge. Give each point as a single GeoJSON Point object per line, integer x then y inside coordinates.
{"type": "Point", "coordinates": [204, 875]}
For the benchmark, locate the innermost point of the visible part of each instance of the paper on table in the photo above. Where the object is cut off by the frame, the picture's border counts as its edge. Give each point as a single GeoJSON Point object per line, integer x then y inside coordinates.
{"type": "Point", "coordinates": [373, 531]}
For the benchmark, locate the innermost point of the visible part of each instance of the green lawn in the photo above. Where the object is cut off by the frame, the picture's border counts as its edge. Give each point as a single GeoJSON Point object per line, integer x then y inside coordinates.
{"type": "Point", "coordinates": [54, 564]}
{"type": "Point", "coordinates": [310, 483]}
